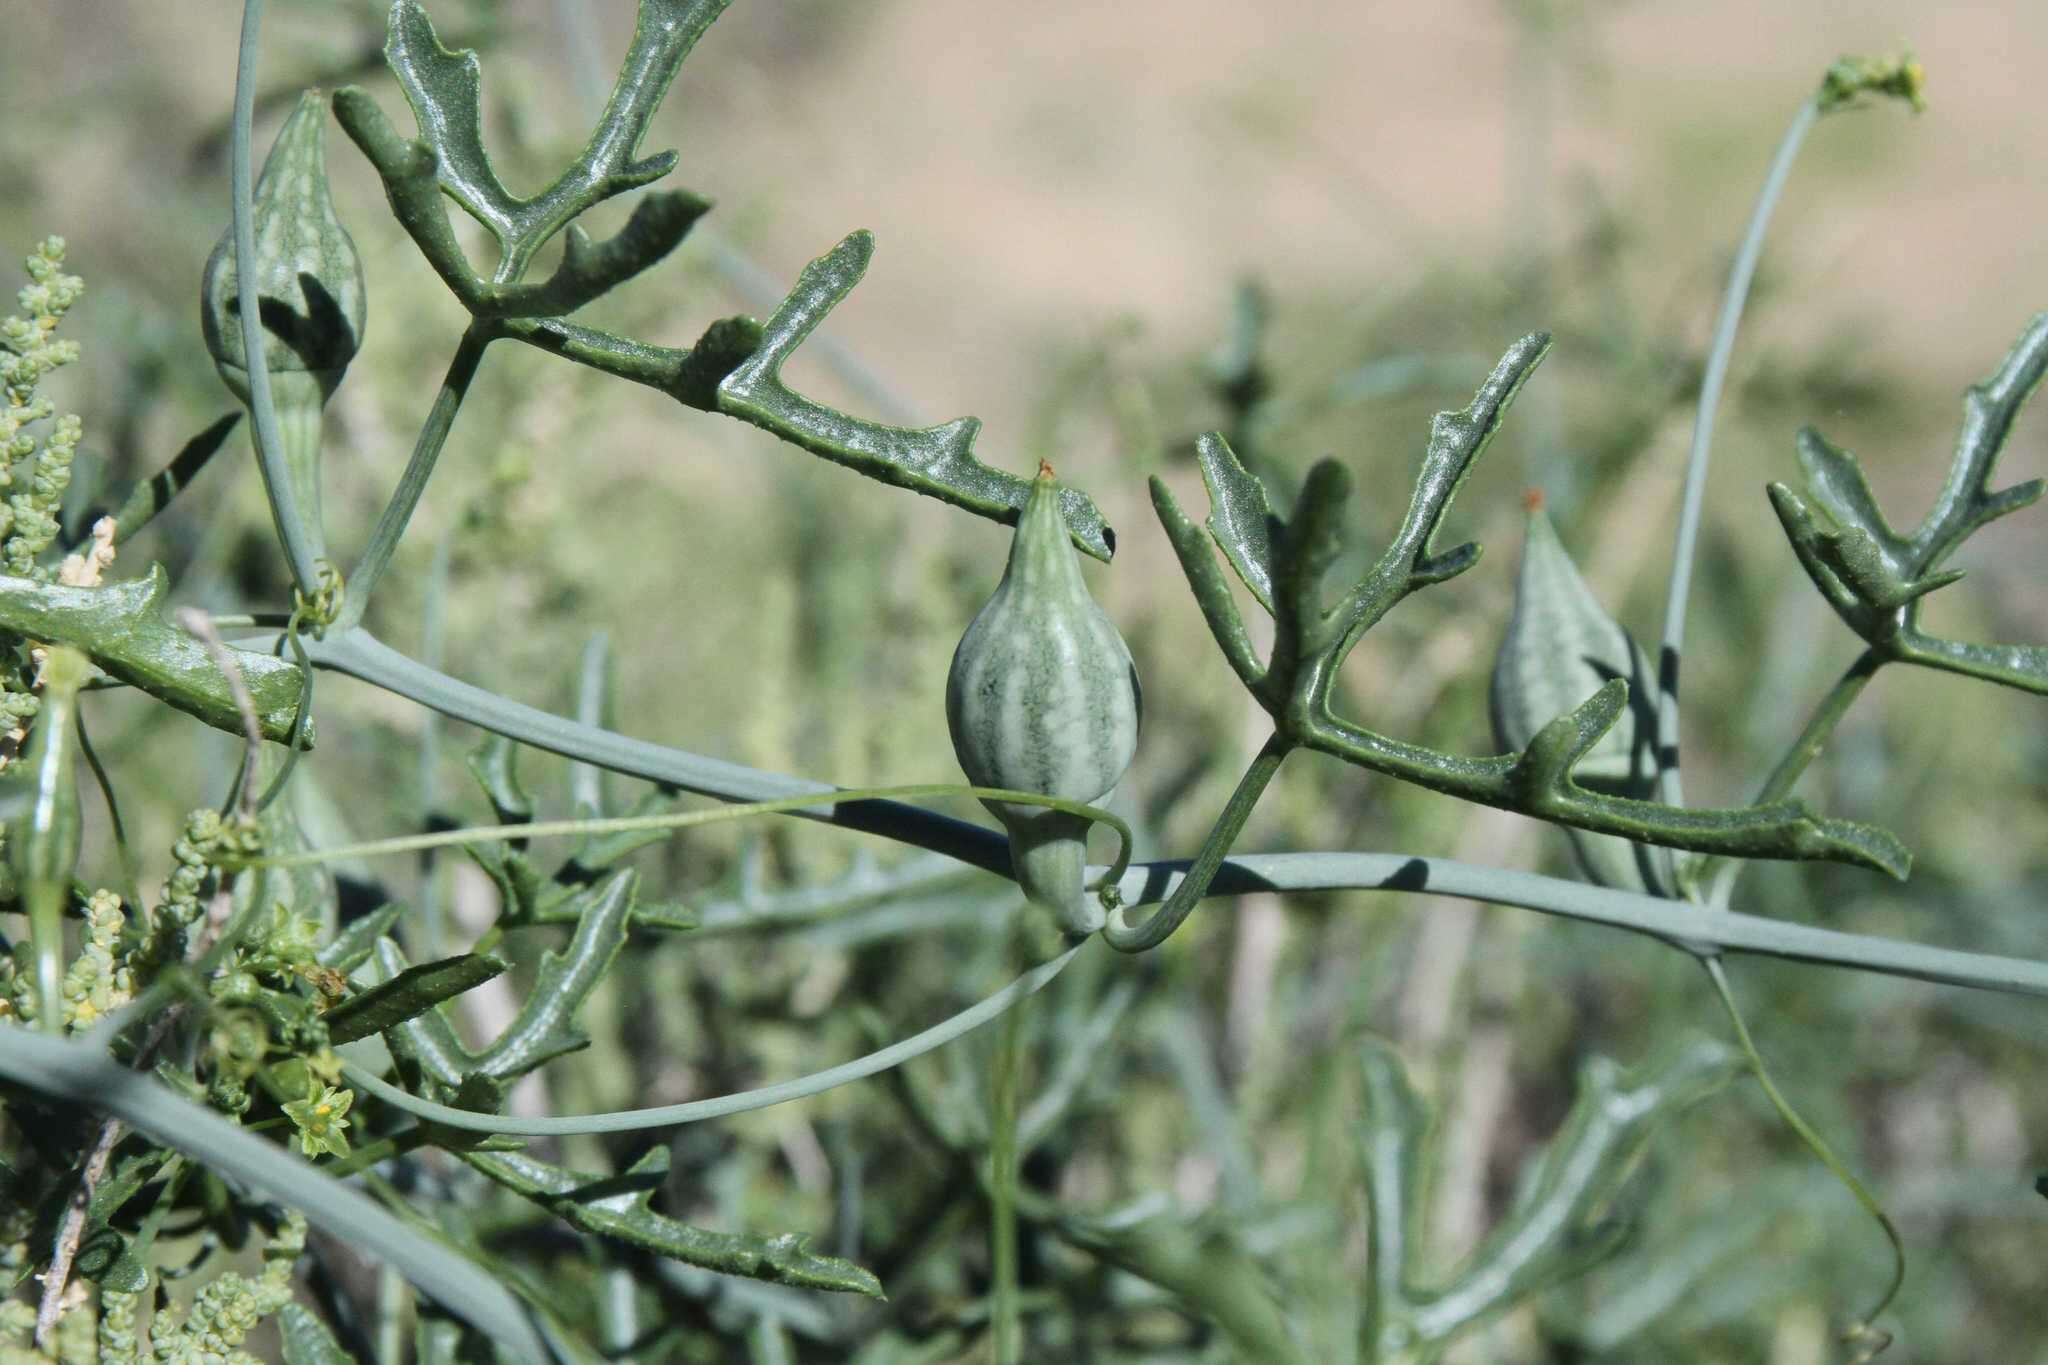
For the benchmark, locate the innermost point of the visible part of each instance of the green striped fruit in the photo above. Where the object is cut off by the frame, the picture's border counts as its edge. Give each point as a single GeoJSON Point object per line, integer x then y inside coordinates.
{"type": "Point", "coordinates": [1043, 697]}
{"type": "Point", "coordinates": [1560, 648]}
{"type": "Point", "coordinates": [310, 297]}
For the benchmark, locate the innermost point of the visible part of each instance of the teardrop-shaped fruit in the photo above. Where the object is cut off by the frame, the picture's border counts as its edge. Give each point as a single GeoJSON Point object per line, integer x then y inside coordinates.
{"type": "Point", "coordinates": [310, 296]}
{"type": "Point", "coordinates": [1043, 697]}
{"type": "Point", "coordinates": [1560, 648]}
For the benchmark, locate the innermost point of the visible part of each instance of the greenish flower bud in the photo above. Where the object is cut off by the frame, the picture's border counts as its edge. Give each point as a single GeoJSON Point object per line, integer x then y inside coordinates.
{"type": "Point", "coordinates": [310, 295]}
{"type": "Point", "coordinates": [1043, 697]}
{"type": "Point", "coordinates": [1560, 648]}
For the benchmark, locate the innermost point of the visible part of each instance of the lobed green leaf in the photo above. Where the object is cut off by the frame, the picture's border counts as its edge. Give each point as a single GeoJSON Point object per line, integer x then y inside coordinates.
{"type": "Point", "coordinates": [621, 1207]}
{"type": "Point", "coordinates": [407, 995]}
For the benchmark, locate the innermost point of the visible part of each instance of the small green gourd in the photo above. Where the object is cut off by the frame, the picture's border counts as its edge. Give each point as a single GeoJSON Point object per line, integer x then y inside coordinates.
{"type": "Point", "coordinates": [1560, 648]}
{"type": "Point", "coordinates": [310, 296]}
{"type": "Point", "coordinates": [1043, 697]}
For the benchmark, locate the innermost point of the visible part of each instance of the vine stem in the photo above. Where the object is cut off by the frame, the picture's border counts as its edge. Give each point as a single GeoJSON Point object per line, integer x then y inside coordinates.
{"type": "Point", "coordinates": [1689, 927]}
{"type": "Point", "coordinates": [412, 484]}
{"type": "Point", "coordinates": [695, 1111]}
{"type": "Point", "coordinates": [1671, 789]}
{"type": "Point", "coordinates": [359, 654]}
{"type": "Point", "coordinates": [1002, 1160]}
{"type": "Point", "coordinates": [1814, 1143]}
{"type": "Point", "coordinates": [1692, 928]}
{"type": "Point", "coordinates": [674, 820]}
{"type": "Point", "coordinates": [1798, 756]}
{"type": "Point", "coordinates": [277, 484]}
{"type": "Point", "coordinates": [1215, 848]}
{"type": "Point", "coordinates": [1696, 928]}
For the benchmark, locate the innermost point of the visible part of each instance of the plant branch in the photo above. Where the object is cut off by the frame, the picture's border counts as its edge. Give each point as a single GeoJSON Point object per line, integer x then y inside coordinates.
{"type": "Point", "coordinates": [1215, 848]}
{"type": "Point", "coordinates": [360, 655]}
{"type": "Point", "coordinates": [121, 628]}
{"type": "Point", "coordinates": [153, 494]}
{"type": "Point", "coordinates": [277, 482]}
{"type": "Point", "coordinates": [1685, 544]}
{"type": "Point", "coordinates": [695, 1111]}
{"type": "Point", "coordinates": [426, 451]}
{"type": "Point", "coordinates": [1812, 738]}
{"type": "Point", "coordinates": [1862, 1331]}
{"type": "Point", "coordinates": [1695, 929]}
{"type": "Point", "coordinates": [1284, 563]}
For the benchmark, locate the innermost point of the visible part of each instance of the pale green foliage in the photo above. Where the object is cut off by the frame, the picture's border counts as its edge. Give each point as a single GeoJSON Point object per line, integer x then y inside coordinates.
{"type": "Point", "coordinates": [30, 350]}
{"type": "Point", "coordinates": [228, 1308]}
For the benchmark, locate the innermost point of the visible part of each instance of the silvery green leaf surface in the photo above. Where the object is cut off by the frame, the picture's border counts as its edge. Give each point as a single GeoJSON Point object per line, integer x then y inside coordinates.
{"type": "Point", "coordinates": [445, 90]}
{"type": "Point", "coordinates": [545, 1025]}
{"type": "Point", "coordinates": [121, 627]}
{"type": "Point", "coordinates": [305, 1339]}
{"type": "Point", "coordinates": [1873, 576]}
{"type": "Point", "coordinates": [495, 765]}
{"type": "Point", "coordinates": [1240, 519]}
{"type": "Point", "coordinates": [1566, 1216]}
{"type": "Point", "coordinates": [1560, 647]}
{"type": "Point", "coordinates": [410, 993]}
{"type": "Point", "coordinates": [426, 1041]}
{"type": "Point", "coordinates": [352, 947]}
{"type": "Point", "coordinates": [621, 1207]}
{"type": "Point", "coordinates": [1204, 1265]}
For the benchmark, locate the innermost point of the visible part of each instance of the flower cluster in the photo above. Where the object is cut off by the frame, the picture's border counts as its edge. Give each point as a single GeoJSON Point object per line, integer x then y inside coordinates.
{"type": "Point", "coordinates": [30, 350]}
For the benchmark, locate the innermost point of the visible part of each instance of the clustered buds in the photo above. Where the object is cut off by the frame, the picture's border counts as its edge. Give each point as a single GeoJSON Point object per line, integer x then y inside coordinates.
{"type": "Point", "coordinates": [1043, 697]}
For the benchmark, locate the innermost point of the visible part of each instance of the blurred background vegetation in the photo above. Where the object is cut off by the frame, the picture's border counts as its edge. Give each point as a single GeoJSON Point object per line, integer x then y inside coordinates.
{"type": "Point", "coordinates": [1067, 197]}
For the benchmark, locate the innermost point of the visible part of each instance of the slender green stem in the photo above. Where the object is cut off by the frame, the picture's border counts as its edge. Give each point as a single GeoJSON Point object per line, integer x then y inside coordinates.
{"type": "Point", "coordinates": [673, 820]}
{"type": "Point", "coordinates": [1695, 929]}
{"type": "Point", "coordinates": [1671, 789]}
{"type": "Point", "coordinates": [295, 743]}
{"type": "Point", "coordinates": [593, 692]}
{"type": "Point", "coordinates": [46, 939]}
{"type": "Point", "coordinates": [277, 483]}
{"type": "Point", "coordinates": [695, 1111]}
{"type": "Point", "coordinates": [131, 886]}
{"type": "Point", "coordinates": [1798, 756]}
{"type": "Point", "coordinates": [361, 655]}
{"type": "Point", "coordinates": [1861, 1330]}
{"type": "Point", "coordinates": [154, 493]}
{"type": "Point", "coordinates": [426, 450]}
{"type": "Point", "coordinates": [392, 1302]}
{"type": "Point", "coordinates": [1215, 848]}
{"type": "Point", "coordinates": [1002, 1159]}
{"type": "Point", "coordinates": [374, 1153]}
{"type": "Point", "coordinates": [433, 646]}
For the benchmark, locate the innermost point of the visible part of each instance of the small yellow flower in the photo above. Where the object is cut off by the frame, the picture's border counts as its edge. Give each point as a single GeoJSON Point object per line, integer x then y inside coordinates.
{"type": "Point", "coordinates": [320, 1118]}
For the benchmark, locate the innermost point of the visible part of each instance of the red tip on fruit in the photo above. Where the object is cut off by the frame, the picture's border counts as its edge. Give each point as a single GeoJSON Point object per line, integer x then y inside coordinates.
{"type": "Point", "coordinates": [1532, 500]}
{"type": "Point", "coordinates": [1045, 471]}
